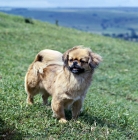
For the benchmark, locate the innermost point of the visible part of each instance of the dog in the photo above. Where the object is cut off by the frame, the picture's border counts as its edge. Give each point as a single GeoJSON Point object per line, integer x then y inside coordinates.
{"type": "Point", "coordinates": [66, 77]}
{"type": "Point", "coordinates": [42, 59]}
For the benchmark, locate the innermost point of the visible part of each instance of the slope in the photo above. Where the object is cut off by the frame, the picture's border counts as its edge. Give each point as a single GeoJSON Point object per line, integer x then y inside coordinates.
{"type": "Point", "coordinates": [111, 105]}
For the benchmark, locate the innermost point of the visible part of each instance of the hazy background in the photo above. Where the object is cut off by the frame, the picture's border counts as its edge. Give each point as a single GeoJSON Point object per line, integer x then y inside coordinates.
{"type": "Point", "coordinates": [118, 18]}
{"type": "Point", "coordinates": [70, 3]}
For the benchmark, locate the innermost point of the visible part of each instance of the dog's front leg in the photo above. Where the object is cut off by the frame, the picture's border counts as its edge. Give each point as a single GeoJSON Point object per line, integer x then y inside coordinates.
{"type": "Point", "coordinates": [76, 109]}
{"type": "Point", "coordinates": [58, 110]}
{"type": "Point", "coordinates": [30, 99]}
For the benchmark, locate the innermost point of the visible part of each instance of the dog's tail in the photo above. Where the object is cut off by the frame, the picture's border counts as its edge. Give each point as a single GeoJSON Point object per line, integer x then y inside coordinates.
{"type": "Point", "coordinates": [49, 57]}
{"type": "Point", "coordinates": [38, 57]}
{"type": "Point", "coordinates": [38, 67]}
{"type": "Point", "coordinates": [38, 64]}
{"type": "Point", "coordinates": [45, 58]}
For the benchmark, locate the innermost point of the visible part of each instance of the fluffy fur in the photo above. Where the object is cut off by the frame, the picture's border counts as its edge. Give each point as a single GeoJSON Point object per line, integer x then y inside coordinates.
{"type": "Point", "coordinates": [66, 81]}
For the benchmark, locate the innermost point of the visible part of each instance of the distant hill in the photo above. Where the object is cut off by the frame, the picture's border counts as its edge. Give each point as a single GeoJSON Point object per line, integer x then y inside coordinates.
{"type": "Point", "coordinates": [114, 22]}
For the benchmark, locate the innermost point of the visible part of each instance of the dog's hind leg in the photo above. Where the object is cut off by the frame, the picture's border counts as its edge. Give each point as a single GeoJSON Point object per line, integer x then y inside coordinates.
{"type": "Point", "coordinates": [31, 92]}
{"type": "Point", "coordinates": [45, 96]}
{"type": "Point", "coordinates": [31, 82]}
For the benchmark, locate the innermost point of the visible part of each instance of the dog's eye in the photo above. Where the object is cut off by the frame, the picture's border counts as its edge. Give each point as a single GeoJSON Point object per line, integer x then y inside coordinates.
{"type": "Point", "coordinates": [70, 60]}
{"type": "Point", "coordinates": [82, 61]}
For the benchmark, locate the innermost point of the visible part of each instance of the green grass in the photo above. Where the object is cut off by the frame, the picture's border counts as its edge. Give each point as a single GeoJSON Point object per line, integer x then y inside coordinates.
{"type": "Point", "coordinates": [111, 105]}
{"type": "Point", "coordinates": [113, 20]}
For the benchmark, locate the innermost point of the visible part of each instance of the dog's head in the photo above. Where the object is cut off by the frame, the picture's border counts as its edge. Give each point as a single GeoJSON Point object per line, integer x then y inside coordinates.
{"type": "Point", "coordinates": [78, 59]}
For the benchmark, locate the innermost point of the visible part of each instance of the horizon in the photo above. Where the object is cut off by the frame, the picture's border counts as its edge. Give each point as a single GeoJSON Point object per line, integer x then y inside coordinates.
{"type": "Point", "coordinates": [67, 4]}
{"type": "Point", "coordinates": [71, 7]}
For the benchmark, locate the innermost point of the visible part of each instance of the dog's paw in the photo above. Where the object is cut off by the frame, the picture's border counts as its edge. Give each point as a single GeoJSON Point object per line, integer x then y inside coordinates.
{"type": "Point", "coordinates": [29, 103]}
{"type": "Point", "coordinates": [62, 120]}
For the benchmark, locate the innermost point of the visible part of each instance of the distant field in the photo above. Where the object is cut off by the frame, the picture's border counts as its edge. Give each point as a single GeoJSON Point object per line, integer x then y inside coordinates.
{"type": "Point", "coordinates": [97, 20]}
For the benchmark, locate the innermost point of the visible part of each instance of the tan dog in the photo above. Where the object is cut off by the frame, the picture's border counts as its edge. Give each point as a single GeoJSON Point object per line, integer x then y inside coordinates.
{"type": "Point", "coordinates": [67, 84]}
{"type": "Point", "coordinates": [32, 78]}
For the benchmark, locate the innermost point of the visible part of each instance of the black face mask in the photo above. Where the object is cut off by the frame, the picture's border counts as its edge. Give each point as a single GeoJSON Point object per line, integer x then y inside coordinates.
{"type": "Point", "coordinates": [76, 69]}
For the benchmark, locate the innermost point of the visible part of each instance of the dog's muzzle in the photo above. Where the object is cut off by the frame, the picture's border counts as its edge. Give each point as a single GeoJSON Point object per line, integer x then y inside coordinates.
{"type": "Point", "coordinates": [76, 69]}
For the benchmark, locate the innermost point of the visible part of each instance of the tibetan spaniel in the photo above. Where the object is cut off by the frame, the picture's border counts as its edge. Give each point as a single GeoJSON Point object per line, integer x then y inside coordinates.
{"type": "Point", "coordinates": [66, 77]}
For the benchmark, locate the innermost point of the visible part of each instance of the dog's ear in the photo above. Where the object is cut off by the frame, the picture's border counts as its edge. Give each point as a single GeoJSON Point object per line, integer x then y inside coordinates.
{"type": "Point", "coordinates": [94, 60]}
{"type": "Point", "coordinates": [65, 56]}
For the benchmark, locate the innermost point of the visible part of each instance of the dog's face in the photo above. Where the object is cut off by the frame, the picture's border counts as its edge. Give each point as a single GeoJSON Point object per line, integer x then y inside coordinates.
{"type": "Point", "coordinates": [78, 60]}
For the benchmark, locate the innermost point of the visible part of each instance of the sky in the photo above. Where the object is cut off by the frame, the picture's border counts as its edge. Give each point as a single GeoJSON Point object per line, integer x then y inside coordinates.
{"type": "Point", "coordinates": [68, 3]}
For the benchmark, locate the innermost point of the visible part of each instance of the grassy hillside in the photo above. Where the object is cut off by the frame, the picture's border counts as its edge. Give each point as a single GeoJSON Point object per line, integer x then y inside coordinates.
{"type": "Point", "coordinates": [99, 20]}
{"type": "Point", "coordinates": [111, 105]}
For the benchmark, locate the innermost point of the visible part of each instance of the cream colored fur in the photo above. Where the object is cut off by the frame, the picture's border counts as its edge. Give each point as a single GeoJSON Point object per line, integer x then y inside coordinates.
{"type": "Point", "coordinates": [48, 75]}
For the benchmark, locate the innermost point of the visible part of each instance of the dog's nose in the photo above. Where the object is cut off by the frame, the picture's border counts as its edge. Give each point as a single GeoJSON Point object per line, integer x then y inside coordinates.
{"type": "Point", "coordinates": [75, 63]}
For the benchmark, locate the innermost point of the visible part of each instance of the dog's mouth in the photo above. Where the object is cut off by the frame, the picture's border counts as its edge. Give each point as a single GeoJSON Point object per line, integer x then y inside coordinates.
{"type": "Point", "coordinates": [76, 69]}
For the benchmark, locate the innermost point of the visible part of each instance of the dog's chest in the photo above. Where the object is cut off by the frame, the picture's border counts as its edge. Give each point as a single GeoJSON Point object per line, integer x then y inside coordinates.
{"type": "Point", "coordinates": [76, 88]}
{"type": "Point", "coordinates": [79, 83]}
